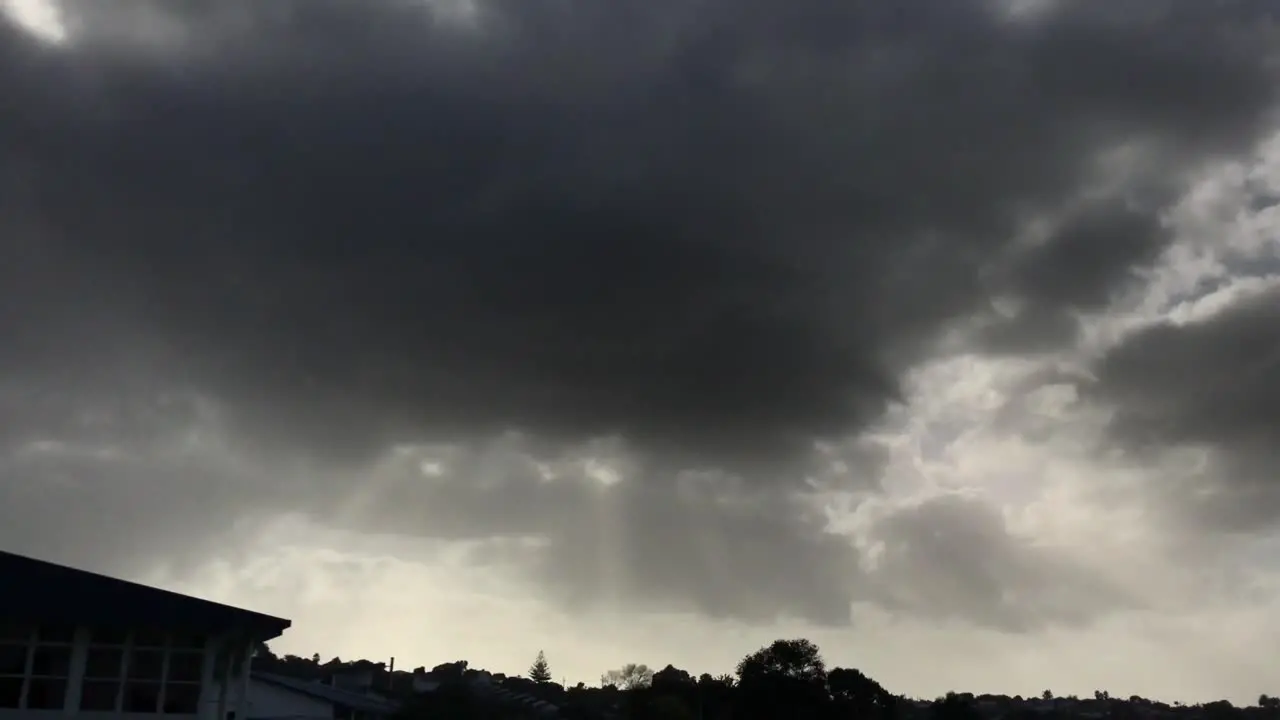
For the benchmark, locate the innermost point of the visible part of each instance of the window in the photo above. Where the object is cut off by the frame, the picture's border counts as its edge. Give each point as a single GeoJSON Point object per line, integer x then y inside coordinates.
{"type": "Point", "coordinates": [146, 671]}
{"type": "Point", "coordinates": [34, 665]}
{"type": "Point", "coordinates": [13, 659]}
{"type": "Point", "coordinates": [181, 698]}
{"type": "Point", "coordinates": [184, 668]}
{"type": "Point", "coordinates": [10, 692]}
{"type": "Point", "coordinates": [103, 670]}
{"type": "Point", "coordinates": [141, 696]}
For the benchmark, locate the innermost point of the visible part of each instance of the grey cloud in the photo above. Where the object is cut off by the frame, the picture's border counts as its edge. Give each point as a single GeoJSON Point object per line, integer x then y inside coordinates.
{"type": "Point", "coordinates": [953, 557]}
{"type": "Point", "coordinates": [1213, 384]}
{"type": "Point", "coordinates": [702, 544]}
{"type": "Point", "coordinates": [718, 231]}
{"type": "Point", "coordinates": [1092, 256]}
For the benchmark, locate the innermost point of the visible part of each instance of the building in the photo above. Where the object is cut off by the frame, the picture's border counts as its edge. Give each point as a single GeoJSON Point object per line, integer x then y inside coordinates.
{"type": "Point", "coordinates": [277, 697]}
{"type": "Point", "coordinates": [82, 644]}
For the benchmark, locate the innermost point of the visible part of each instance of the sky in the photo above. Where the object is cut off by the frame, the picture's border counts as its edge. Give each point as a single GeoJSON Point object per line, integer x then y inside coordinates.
{"type": "Point", "coordinates": [655, 330]}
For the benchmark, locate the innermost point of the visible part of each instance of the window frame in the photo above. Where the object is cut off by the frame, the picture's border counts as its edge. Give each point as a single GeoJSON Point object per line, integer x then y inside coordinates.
{"type": "Point", "coordinates": [167, 644]}
{"type": "Point", "coordinates": [32, 643]}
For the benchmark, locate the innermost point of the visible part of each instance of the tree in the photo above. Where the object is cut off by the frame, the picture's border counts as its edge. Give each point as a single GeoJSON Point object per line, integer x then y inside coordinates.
{"type": "Point", "coordinates": [540, 671]}
{"type": "Point", "coordinates": [860, 695]}
{"type": "Point", "coordinates": [724, 679]}
{"type": "Point", "coordinates": [1219, 710]}
{"type": "Point", "coordinates": [450, 672]}
{"type": "Point", "coordinates": [785, 679]}
{"type": "Point", "coordinates": [261, 651]}
{"type": "Point", "coordinates": [794, 659]}
{"type": "Point", "coordinates": [673, 678]}
{"type": "Point", "coordinates": [629, 677]}
{"type": "Point", "coordinates": [954, 707]}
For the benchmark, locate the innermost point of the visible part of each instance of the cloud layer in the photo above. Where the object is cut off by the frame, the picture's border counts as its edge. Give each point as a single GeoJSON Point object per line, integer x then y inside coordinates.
{"type": "Point", "coordinates": [632, 294]}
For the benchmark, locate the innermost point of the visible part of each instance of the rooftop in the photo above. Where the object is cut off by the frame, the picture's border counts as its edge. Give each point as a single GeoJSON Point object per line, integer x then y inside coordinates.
{"type": "Point", "coordinates": [41, 591]}
{"type": "Point", "coordinates": [338, 696]}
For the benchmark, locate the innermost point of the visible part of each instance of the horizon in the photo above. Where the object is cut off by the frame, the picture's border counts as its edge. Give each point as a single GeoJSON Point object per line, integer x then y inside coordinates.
{"type": "Point", "coordinates": [603, 681]}
{"type": "Point", "coordinates": [943, 334]}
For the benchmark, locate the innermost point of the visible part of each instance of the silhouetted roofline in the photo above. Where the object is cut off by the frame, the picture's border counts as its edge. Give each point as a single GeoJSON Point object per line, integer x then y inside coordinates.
{"type": "Point", "coordinates": [41, 591]}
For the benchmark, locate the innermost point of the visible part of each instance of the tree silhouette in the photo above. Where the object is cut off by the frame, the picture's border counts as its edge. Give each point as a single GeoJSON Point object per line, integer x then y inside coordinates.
{"type": "Point", "coordinates": [540, 671]}
{"type": "Point", "coordinates": [673, 679]}
{"type": "Point", "coordinates": [794, 659]}
{"type": "Point", "coordinates": [629, 677]}
{"type": "Point", "coordinates": [787, 679]}
{"type": "Point", "coordinates": [954, 707]}
{"type": "Point", "coordinates": [859, 695]}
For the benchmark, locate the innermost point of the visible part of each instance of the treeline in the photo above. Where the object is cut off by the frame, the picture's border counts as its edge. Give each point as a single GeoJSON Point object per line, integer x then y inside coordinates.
{"type": "Point", "coordinates": [786, 680]}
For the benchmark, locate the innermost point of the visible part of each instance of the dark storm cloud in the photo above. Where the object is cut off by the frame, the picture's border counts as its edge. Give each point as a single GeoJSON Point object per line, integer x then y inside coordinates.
{"type": "Point", "coordinates": [1090, 257]}
{"type": "Point", "coordinates": [716, 230]}
{"type": "Point", "coordinates": [712, 231]}
{"type": "Point", "coordinates": [1213, 383]}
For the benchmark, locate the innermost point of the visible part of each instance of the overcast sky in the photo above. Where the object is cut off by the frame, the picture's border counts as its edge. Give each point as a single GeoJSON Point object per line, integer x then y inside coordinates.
{"type": "Point", "coordinates": [653, 330]}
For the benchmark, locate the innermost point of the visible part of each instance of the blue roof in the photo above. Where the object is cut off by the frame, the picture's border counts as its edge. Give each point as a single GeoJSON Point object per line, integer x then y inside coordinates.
{"type": "Point", "coordinates": [337, 696]}
{"type": "Point", "coordinates": [44, 592]}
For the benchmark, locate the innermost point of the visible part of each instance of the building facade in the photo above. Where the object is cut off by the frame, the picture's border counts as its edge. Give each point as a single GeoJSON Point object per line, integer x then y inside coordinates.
{"type": "Point", "coordinates": [74, 643]}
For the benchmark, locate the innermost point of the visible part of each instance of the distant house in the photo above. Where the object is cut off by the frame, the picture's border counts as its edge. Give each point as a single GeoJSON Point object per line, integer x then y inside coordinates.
{"type": "Point", "coordinates": [277, 697]}
{"type": "Point", "coordinates": [75, 643]}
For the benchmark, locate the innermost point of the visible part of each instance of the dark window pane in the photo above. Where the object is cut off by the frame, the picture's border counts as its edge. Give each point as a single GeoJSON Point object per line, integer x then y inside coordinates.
{"type": "Point", "coordinates": [146, 665]}
{"type": "Point", "coordinates": [56, 633]}
{"type": "Point", "coordinates": [149, 637]}
{"type": "Point", "coordinates": [108, 635]}
{"type": "Point", "coordinates": [104, 662]}
{"type": "Point", "coordinates": [15, 632]}
{"type": "Point", "coordinates": [13, 659]}
{"type": "Point", "coordinates": [46, 694]}
{"type": "Point", "coordinates": [99, 695]}
{"type": "Point", "coordinates": [10, 692]}
{"type": "Point", "coordinates": [51, 661]}
{"type": "Point", "coordinates": [187, 641]}
{"type": "Point", "coordinates": [141, 697]}
{"type": "Point", "coordinates": [185, 665]}
{"type": "Point", "coordinates": [181, 698]}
